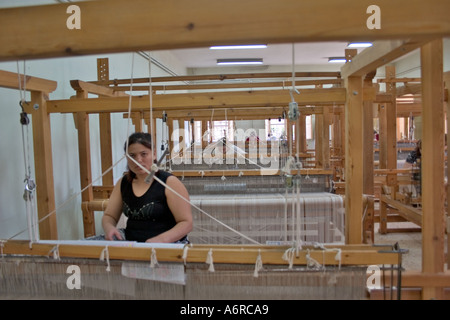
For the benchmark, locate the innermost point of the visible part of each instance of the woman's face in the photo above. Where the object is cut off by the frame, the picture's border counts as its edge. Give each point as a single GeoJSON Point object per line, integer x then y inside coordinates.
{"type": "Point", "coordinates": [142, 155]}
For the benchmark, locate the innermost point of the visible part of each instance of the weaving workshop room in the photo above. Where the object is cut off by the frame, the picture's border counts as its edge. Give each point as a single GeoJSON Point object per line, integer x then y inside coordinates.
{"type": "Point", "coordinates": [238, 150]}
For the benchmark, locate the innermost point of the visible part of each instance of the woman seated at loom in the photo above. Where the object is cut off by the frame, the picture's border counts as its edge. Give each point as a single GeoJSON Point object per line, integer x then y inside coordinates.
{"type": "Point", "coordinates": [155, 213]}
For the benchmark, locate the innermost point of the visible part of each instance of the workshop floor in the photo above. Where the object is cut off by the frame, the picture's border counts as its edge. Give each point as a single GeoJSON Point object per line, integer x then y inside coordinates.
{"type": "Point", "coordinates": [406, 240]}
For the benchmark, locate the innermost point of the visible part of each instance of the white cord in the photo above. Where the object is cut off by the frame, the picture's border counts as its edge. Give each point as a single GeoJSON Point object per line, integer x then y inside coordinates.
{"type": "Point", "coordinates": [153, 260]}
{"type": "Point", "coordinates": [258, 264]}
{"type": "Point", "coordinates": [209, 260]}
{"type": "Point", "coordinates": [105, 254]}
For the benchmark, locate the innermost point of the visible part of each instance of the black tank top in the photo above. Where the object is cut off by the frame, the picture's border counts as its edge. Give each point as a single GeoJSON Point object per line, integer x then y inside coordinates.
{"type": "Point", "coordinates": [148, 215]}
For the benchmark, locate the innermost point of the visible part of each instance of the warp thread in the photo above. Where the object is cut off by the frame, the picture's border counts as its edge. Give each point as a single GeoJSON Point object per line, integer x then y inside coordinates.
{"type": "Point", "coordinates": [153, 260]}
{"type": "Point", "coordinates": [311, 263]}
{"type": "Point", "coordinates": [2, 245]}
{"type": "Point", "coordinates": [105, 255]}
{"type": "Point", "coordinates": [55, 252]}
{"type": "Point", "coordinates": [185, 252]}
{"type": "Point", "coordinates": [209, 260]}
{"type": "Point", "coordinates": [258, 265]}
{"type": "Point", "coordinates": [290, 253]}
{"type": "Point", "coordinates": [288, 256]}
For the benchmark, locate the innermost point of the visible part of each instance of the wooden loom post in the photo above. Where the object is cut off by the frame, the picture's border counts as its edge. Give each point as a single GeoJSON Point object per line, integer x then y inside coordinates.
{"type": "Point", "coordinates": [84, 150]}
{"type": "Point", "coordinates": [433, 194]}
{"type": "Point", "coordinates": [45, 191]}
{"type": "Point", "coordinates": [326, 137]}
{"type": "Point", "coordinates": [105, 127]}
{"type": "Point", "coordinates": [447, 110]}
{"type": "Point", "coordinates": [368, 182]}
{"type": "Point", "coordinates": [391, 131]}
{"type": "Point", "coordinates": [203, 142]}
{"type": "Point", "coordinates": [342, 142]}
{"type": "Point", "coordinates": [288, 133]}
{"type": "Point", "coordinates": [301, 123]}
{"type": "Point", "coordinates": [170, 135]}
{"type": "Point", "coordinates": [382, 160]}
{"type": "Point", "coordinates": [353, 160]}
{"type": "Point", "coordinates": [182, 138]}
{"type": "Point", "coordinates": [136, 120]}
{"type": "Point", "coordinates": [319, 139]}
{"type": "Point", "coordinates": [43, 164]}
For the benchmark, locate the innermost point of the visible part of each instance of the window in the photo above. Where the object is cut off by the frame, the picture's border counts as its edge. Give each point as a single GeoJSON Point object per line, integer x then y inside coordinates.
{"type": "Point", "coordinates": [221, 129]}
{"type": "Point", "coordinates": [275, 127]}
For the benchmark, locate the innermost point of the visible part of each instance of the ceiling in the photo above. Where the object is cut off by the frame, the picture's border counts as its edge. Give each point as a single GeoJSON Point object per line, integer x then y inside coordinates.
{"type": "Point", "coordinates": [316, 53]}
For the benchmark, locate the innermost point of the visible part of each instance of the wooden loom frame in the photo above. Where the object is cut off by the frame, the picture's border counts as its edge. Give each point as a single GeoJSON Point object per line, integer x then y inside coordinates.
{"type": "Point", "coordinates": [292, 25]}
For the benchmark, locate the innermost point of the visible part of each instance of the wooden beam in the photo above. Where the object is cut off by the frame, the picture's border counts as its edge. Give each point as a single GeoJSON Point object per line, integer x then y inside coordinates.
{"type": "Point", "coordinates": [239, 254]}
{"type": "Point", "coordinates": [325, 136]}
{"type": "Point", "coordinates": [43, 165]}
{"type": "Point", "coordinates": [380, 54]}
{"type": "Point", "coordinates": [405, 109]}
{"type": "Point", "coordinates": [242, 113]}
{"type": "Point", "coordinates": [79, 85]}
{"type": "Point", "coordinates": [354, 160]}
{"type": "Point", "coordinates": [416, 278]}
{"type": "Point", "coordinates": [11, 80]}
{"type": "Point", "coordinates": [408, 212]}
{"type": "Point", "coordinates": [220, 78]}
{"type": "Point", "coordinates": [447, 112]}
{"type": "Point", "coordinates": [216, 100]}
{"type": "Point", "coordinates": [433, 189]}
{"type": "Point", "coordinates": [368, 168]}
{"type": "Point", "coordinates": [84, 151]}
{"type": "Point", "coordinates": [105, 126]}
{"type": "Point", "coordinates": [391, 130]}
{"type": "Point", "coordinates": [42, 32]}
{"type": "Point", "coordinates": [234, 85]}
{"type": "Point", "coordinates": [318, 140]}
{"type": "Point", "coordinates": [106, 147]}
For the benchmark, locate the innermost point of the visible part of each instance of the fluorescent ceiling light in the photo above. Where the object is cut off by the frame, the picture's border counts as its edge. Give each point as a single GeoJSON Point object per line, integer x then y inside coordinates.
{"type": "Point", "coordinates": [359, 45]}
{"type": "Point", "coordinates": [254, 61]}
{"type": "Point", "coordinates": [337, 60]}
{"type": "Point", "coordinates": [248, 46]}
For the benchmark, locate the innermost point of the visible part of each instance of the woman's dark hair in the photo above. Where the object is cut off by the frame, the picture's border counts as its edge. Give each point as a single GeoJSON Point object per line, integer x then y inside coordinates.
{"type": "Point", "coordinates": [138, 137]}
{"type": "Point", "coordinates": [419, 148]}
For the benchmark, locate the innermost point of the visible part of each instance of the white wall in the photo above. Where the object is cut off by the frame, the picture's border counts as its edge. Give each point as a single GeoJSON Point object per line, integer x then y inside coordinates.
{"type": "Point", "coordinates": [64, 138]}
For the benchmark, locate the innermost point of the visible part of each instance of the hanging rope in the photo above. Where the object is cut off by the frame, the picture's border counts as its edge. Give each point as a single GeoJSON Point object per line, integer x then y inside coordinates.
{"type": "Point", "coordinates": [30, 185]}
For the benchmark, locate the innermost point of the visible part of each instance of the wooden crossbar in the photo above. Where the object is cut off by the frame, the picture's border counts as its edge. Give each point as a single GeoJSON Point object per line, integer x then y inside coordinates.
{"type": "Point", "coordinates": [238, 254]}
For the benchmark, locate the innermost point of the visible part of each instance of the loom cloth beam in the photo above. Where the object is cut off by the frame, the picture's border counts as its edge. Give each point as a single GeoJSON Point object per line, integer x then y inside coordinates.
{"type": "Point", "coordinates": [202, 23]}
{"type": "Point", "coordinates": [242, 254]}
